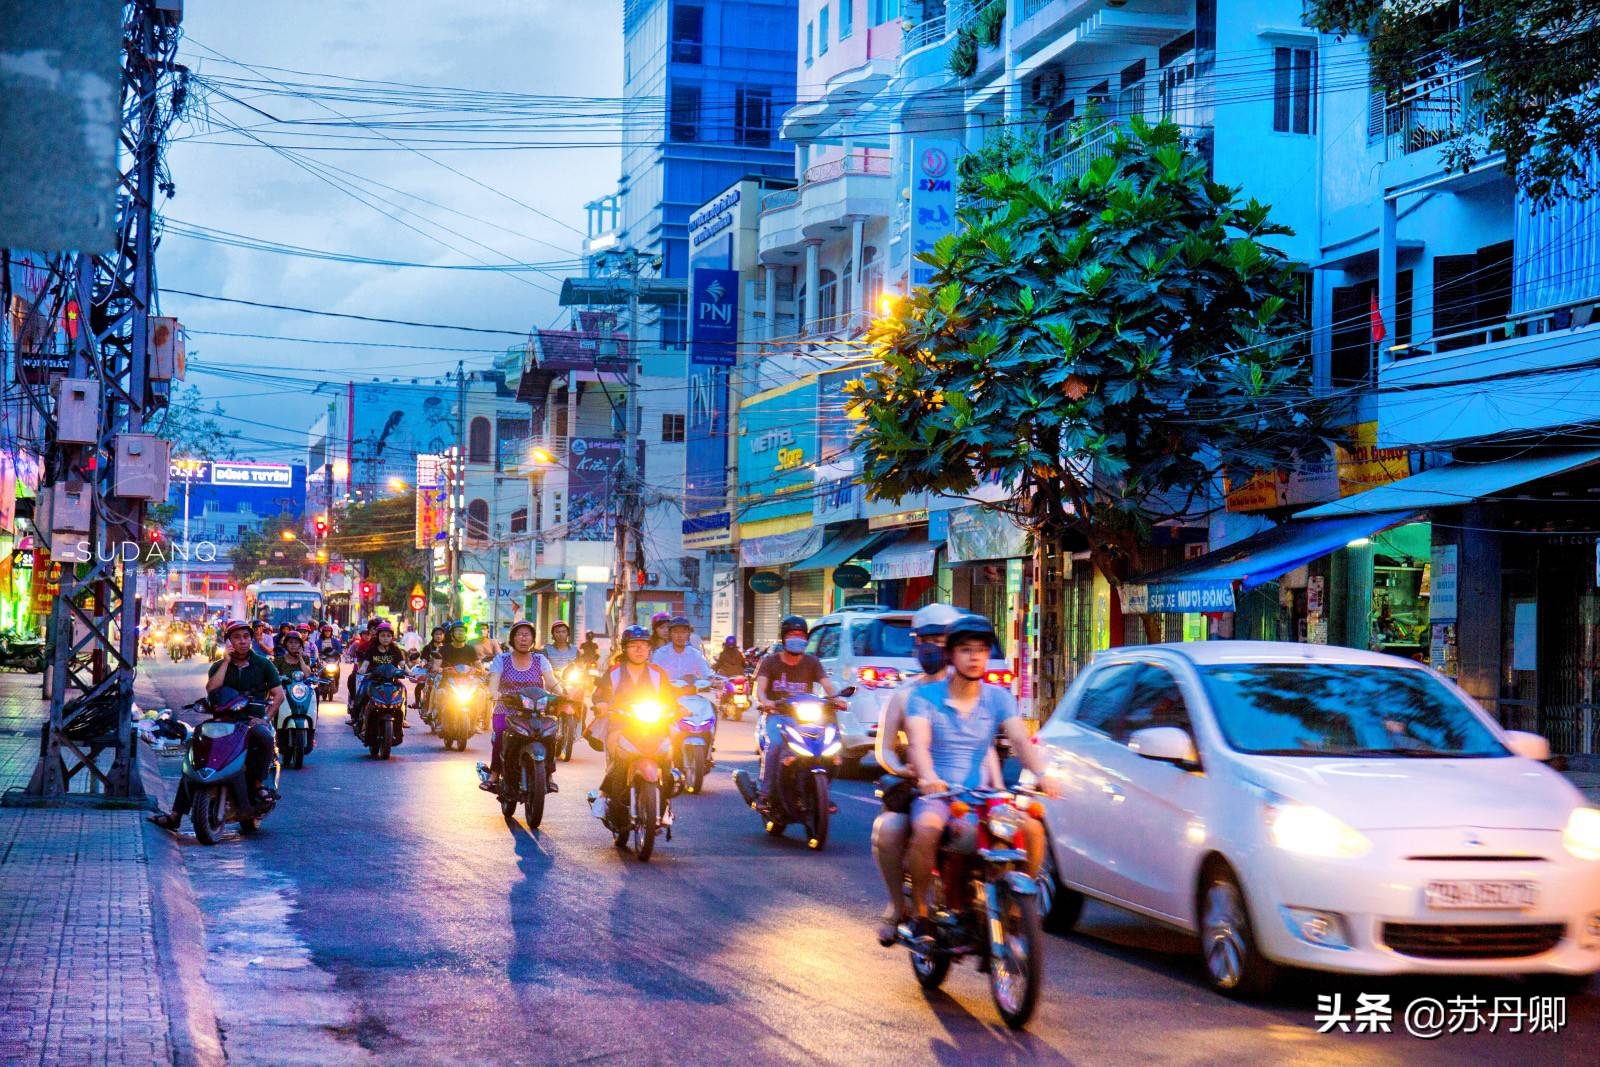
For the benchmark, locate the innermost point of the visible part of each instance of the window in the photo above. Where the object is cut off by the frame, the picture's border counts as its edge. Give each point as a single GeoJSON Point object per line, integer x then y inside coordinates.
{"type": "Point", "coordinates": [478, 441]}
{"type": "Point", "coordinates": [811, 31]}
{"type": "Point", "coordinates": [822, 31]}
{"type": "Point", "coordinates": [1291, 89]}
{"type": "Point", "coordinates": [882, 11]}
{"type": "Point", "coordinates": [683, 121]}
{"type": "Point", "coordinates": [1156, 701]}
{"type": "Point", "coordinates": [688, 25]}
{"type": "Point", "coordinates": [672, 428]}
{"type": "Point", "coordinates": [1470, 292]}
{"type": "Point", "coordinates": [1352, 327]}
{"type": "Point", "coordinates": [884, 637]}
{"type": "Point", "coordinates": [478, 520]}
{"type": "Point", "coordinates": [825, 641]}
{"type": "Point", "coordinates": [519, 521]}
{"type": "Point", "coordinates": [1103, 695]}
{"type": "Point", "coordinates": [847, 18]}
{"type": "Point", "coordinates": [752, 117]}
{"type": "Point", "coordinates": [510, 439]}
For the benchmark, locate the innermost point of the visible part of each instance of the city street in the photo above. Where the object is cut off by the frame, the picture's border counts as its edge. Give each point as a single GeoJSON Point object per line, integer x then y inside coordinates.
{"type": "Point", "coordinates": [450, 934]}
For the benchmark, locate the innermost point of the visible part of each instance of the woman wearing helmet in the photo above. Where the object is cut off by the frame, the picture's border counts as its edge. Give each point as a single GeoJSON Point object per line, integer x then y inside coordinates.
{"type": "Point", "coordinates": [632, 677]}
{"type": "Point", "coordinates": [381, 653]}
{"type": "Point", "coordinates": [680, 659]}
{"type": "Point", "coordinates": [659, 622]}
{"type": "Point", "coordinates": [516, 669]}
{"type": "Point", "coordinates": [560, 651]}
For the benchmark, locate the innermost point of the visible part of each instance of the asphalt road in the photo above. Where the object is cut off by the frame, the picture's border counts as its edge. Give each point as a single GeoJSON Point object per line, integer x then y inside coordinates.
{"type": "Point", "coordinates": [388, 912]}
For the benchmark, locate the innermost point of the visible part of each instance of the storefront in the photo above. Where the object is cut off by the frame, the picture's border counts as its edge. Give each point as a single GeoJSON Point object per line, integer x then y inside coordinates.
{"type": "Point", "coordinates": [902, 571]}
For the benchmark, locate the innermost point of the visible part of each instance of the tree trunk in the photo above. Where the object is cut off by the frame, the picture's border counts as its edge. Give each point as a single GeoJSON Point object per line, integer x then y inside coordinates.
{"type": "Point", "coordinates": [1052, 569]}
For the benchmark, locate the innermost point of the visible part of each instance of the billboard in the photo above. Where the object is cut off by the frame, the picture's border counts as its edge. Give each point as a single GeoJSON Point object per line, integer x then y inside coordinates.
{"type": "Point", "coordinates": [705, 460]}
{"type": "Point", "coordinates": [392, 423]}
{"type": "Point", "coordinates": [593, 466]}
{"type": "Point", "coordinates": [933, 198]}
{"type": "Point", "coordinates": [432, 501]}
{"type": "Point", "coordinates": [261, 475]}
{"type": "Point", "coordinates": [778, 452]}
{"type": "Point", "coordinates": [715, 318]}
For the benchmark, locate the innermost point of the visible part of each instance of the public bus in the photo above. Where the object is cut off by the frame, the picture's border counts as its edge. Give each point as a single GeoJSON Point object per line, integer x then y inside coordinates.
{"type": "Point", "coordinates": [281, 600]}
{"type": "Point", "coordinates": [187, 609]}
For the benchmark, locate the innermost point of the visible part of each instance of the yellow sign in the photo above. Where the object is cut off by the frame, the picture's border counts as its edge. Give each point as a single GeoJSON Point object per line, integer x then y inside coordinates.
{"type": "Point", "coordinates": [1363, 465]}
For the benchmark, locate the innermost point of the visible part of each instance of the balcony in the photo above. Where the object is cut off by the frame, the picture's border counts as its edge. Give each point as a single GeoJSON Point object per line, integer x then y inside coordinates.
{"type": "Point", "coordinates": [830, 193]}
{"type": "Point", "coordinates": [1435, 110]}
{"type": "Point", "coordinates": [1048, 29]}
{"type": "Point", "coordinates": [1530, 372]}
{"type": "Point", "coordinates": [1074, 160]}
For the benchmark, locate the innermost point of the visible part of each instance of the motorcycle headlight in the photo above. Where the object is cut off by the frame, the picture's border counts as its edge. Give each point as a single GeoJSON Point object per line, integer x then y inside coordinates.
{"type": "Point", "coordinates": [832, 743]}
{"type": "Point", "coordinates": [1005, 822]}
{"type": "Point", "coordinates": [808, 711]}
{"type": "Point", "coordinates": [799, 749]}
{"type": "Point", "coordinates": [1309, 831]}
{"type": "Point", "coordinates": [647, 712]}
{"type": "Point", "coordinates": [1581, 837]}
{"type": "Point", "coordinates": [330, 669]}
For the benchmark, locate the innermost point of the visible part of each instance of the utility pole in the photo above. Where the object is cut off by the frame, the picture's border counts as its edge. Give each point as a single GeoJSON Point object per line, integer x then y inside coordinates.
{"type": "Point", "coordinates": [629, 522]}
{"type": "Point", "coordinates": [458, 492]}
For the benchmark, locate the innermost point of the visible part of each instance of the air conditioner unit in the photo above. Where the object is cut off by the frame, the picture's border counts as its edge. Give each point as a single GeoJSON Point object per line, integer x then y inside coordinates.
{"type": "Point", "coordinates": [77, 411]}
{"type": "Point", "coordinates": [1046, 89]}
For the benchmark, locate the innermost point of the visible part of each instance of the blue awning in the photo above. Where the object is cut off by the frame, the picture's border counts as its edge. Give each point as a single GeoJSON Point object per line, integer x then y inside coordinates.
{"type": "Point", "coordinates": [911, 558]}
{"type": "Point", "coordinates": [843, 548]}
{"type": "Point", "coordinates": [1206, 584]}
{"type": "Point", "coordinates": [1452, 485]}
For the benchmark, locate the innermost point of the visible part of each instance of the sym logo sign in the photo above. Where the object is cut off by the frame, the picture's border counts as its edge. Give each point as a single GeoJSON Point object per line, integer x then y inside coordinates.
{"type": "Point", "coordinates": [715, 296]}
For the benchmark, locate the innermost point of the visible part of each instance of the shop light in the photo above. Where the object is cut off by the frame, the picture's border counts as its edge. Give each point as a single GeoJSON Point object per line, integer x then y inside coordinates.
{"type": "Point", "coordinates": [1360, 542]}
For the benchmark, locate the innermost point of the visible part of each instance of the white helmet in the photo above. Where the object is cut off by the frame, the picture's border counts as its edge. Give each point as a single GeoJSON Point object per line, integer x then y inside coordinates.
{"type": "Point", "coordinates": [934, 617]}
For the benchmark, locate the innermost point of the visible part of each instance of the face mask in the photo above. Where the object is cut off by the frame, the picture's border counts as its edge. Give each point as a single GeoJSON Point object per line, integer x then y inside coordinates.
{"type": "Point", "coordinates": [794, 644]}
{"type": "Point", "coordinates": [930, 657]}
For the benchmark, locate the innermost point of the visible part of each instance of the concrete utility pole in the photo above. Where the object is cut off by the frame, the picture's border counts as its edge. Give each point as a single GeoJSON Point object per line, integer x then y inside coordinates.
{"type": "Point", "coordinates": [630, 522]}
{"type": "Point", "coordinates": [458, 492]}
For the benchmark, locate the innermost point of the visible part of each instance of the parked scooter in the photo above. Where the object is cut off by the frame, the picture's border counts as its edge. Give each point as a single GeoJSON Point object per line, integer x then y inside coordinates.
{"type": "Point", "coordinates": [811, 757]}
{"type": "Point", "coordinates": [381, 724]}
{"type": "Point", "coordinates": [695, 732]}
{"type": "Point", "coordinates": [21, 653]}
{"type": "Point", "coordinates": [214, 765]}
{"type": "Point", "coordinates": [455, 705]}
{"type": "Point", "coordinates": [527, 753]}
{"type": "Point", "coordinates": [297, 721]}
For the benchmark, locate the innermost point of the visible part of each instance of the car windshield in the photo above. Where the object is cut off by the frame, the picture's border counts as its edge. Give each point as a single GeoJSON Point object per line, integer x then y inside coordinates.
{"type": "Point", "coordinates": [1343, 709]}
{"type": "Point", "coordinates": [884, 637]}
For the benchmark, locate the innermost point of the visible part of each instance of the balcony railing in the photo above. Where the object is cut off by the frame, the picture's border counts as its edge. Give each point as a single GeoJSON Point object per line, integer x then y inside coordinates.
{"type": "Point", "coordinates": [1074, 160]}
{"type": "Point", "coordinates": [780, 198]}
{"type": "Point", "coordinates": [851, 164]}
{"type": "Point", "coordinates": [1572, 314]}
{"type": "Point", "coordinates": [1436, 110]}
{"type": "Point", "coordinates": [1030, 8]}
{"type": "Point", "coordinates": [931, 30]}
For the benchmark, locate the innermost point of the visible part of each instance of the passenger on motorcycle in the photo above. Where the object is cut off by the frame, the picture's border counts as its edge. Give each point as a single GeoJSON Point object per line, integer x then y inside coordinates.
{"type": "Point", "coordinates": [730, 661]}
{"type": "Point", "coordinates": [263, 638]}
{"type": "Point", "coordinates": [512, 671]}
{"type": "Point", "coordinates": [680, 659]}
{"type": "Point", "coordinates": [658, 630]}
{"type": "Point", "coordinates": [382, 652]}
{"type": "Point", "coordinates": [358, 648]}
{"type": "Point", "coordinates": [559, 651]}
{"type": "Point", "coordinates": [634, 677]}
{"type": "Point", "coordinates": [951, 725]}
{"type": "Point", "coordinates": [433, 651]}
{"type": "Point", "coordinates": [328, 646]}
{"type": "Point", "coordinates": [788, 671]}
{"type": "Point", "coordinates": [589, 651]}
{"type": "Point", "coordinates": [892, 828]}
{"type": "Point", "coordinates": [246, 671]}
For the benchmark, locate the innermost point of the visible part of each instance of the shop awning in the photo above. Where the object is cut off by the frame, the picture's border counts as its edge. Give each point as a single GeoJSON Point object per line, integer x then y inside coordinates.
{"type": "Point", "coordinates": [1452, 485]}
{"type": "Point", "coordinates": [843, 548]}
{"type": "Point", "coordinates": [1206, 584]}
{"type": "Point", "coordinates": [904, 559]}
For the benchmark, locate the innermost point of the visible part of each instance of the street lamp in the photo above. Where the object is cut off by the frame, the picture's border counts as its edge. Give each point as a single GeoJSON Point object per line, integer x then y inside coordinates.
{"type": "Point", "coordinates": [542, 457]}
{"type": "Point", "coordinates": [288, 535]}
{"type": "Point", "coordinates": [397, 485]}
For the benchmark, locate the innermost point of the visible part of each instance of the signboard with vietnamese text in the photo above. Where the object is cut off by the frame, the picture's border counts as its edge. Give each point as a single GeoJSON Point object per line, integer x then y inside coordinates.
{"type": "Point", "coordinates": [274, 475]}
{"type": "Point", "coordinates": [777, 453]}
{"type": "Point", "coordinates": [714, 322]}
{"type": "Point", "coordinates": [594, 464]}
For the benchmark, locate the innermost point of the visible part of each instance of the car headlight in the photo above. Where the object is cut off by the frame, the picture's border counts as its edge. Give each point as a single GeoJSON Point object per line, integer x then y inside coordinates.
{"type": "Point", "coordinates": [1309, 831]}
{"type": "Point", "coordinates": [1582, 835]}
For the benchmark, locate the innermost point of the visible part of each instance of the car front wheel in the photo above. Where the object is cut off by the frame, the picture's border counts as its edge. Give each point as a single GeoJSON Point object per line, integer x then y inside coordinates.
{"type": "Point", "coordinates": [1234, 965]}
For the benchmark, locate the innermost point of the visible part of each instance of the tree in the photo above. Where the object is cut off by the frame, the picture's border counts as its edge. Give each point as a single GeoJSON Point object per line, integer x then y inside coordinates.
{"type": "Point", "coordinates": [1108, 348]}
{"type": "Point", "coordinates": [381, 534]}
{"type": "Point", "coordinates": [195, 431]}
{"type": "Point", "coordinates": [1537, 100]}
{"type": "Point", "coordinates": [265, 553]}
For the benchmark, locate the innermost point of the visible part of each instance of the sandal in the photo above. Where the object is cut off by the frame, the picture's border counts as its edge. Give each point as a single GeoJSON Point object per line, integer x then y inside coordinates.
{"type": "Point", "coordinates": [167, 820]}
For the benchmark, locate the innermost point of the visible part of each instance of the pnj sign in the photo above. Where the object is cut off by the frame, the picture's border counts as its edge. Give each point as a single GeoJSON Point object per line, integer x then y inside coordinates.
{"type": "Point", "coordinates": [715, 318]}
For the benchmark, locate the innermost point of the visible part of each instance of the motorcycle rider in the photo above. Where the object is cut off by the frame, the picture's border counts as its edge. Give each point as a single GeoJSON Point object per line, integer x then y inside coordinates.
{"type": "Point", "coordinates": [559, 651]}
{"type": "Point", "coordinates": [246, 671]}
{"type": "Point", "coordinates": [459, 653]}
{"type": "Point", "coordinates": [432, 658]}
{"type": "Point", "coordinates": [263, 638]}
{"type": "Point", "coordinates": [680, 659]}
{"type": "Point", "coordinates": [951, 725]}
{"type": "Point", "coordinates": [589, 651]}
{"type": "Point", "coordinates": [519, 667]}
{"type": "Point", "coordinates": [488, 648]}
{"type": "Point", "coordinates": [358, 648]}
{"type": "Point", "coordinates": [790, 670]}
{"type": "Point", "coordinates": [658, 630]}
{"type": "Point", "coordinates": [382, 652]}
{"type": "Point", "coordinates": [291, 657]}
{"type": "Point", "coordinates": [634, 677]}
{"type": "Point", "coordinates": [730, 661]}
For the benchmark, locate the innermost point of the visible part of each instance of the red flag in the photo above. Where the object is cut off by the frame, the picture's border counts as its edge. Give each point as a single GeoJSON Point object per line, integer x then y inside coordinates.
{"type": "Point", "coordinates": [1378, 332]}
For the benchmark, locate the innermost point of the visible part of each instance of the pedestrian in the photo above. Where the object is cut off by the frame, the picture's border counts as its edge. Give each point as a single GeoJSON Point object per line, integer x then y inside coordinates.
{"type": "Point", "coordinates": [411, 641]}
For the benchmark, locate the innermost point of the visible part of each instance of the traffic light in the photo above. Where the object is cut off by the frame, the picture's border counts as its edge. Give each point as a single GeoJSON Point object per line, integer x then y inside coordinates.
{"type": "Point", "coordinates": [232, 588]}
{"type": "Point", "coordinates": [321, 525]}
{"type": "Point", "coordinates": [366, 590]}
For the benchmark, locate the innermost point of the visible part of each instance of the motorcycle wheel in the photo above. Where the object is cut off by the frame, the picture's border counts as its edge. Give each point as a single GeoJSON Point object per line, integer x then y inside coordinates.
{"type": "Point", "coordinates": [206, 815]}
{"type": "Point", "coordinates": [817, 818]}
{"type": "Point", "coordinates": [694, 759]}
{"type": "Point", "coordinates": [1016, 967]}
{"type": "Point", "coordinates": [569, 733]}
{"type": "Point", "coordinates": [930, 968]}
{"type": "Point", "coordinates": [302, 745]}
{"type": "Point", "coordinates": [535, 780]}
{"type": "Point", "coordinates": [508, 798]}
{"type": "Point", "coordinates": [646, 816]}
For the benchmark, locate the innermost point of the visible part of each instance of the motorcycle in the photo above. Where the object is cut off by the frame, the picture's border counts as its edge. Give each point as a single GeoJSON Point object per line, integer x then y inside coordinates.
{"type": "Point", "coordinates": [455, 701]}
{"type": "Point", "coordinates": [327, 683]}
{"type": "Point", "coordinates": [214, 764]}
{"type": "Point", "coordinates": [297, 720]}
{"type": "Point", "coordinates": [811, 757]}
{"type": "Point", "coordinates": [695, 733]}
{"type": "Point", "coordinates": [985, 904]}
{"type": "Point", "coordinates": [21, 653]}
{"type": "Point", "coordinates": [527, 749]}
{"type": "Point", "coordinates": [179, 647]}
{"type": "Point", "coordinates": [645, 749]}
{"type": "Point", "coordinates": [735, 699]}
{"type": "Point", "coordinates": [381, 723]}
{"type": "Point", "coordinates": [576, 681]}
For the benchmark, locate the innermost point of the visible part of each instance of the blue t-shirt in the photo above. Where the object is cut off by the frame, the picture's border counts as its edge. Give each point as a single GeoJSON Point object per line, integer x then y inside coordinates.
{"type": "Point", "coordinates": [961, 742]}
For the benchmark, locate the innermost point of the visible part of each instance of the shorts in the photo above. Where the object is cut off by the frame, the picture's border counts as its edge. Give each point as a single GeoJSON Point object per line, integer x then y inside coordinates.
{"type": "Point", "coordinates": [898, 793]}
{"type": "Point", "coordinates": [961, 835]}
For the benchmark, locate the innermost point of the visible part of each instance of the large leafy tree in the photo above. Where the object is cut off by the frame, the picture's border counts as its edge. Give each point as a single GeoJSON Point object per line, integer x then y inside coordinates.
{"type": "Point", "coordinates": [263, 552]}
{"type": "Point", "coordinates": [1107, 347]}
{"type": "Point", "coordinates": [382, 535]}
{"type": "Point", "coordinates": [196, 431]}
{"type": "Point", "coordinates": [1537, 100]}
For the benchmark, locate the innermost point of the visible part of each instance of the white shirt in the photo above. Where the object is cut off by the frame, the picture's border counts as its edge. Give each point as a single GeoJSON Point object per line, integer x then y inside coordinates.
{"type": "Point", "coordinates": [411, 641]}
{"type": "Point", "coordinates": [690, 663]}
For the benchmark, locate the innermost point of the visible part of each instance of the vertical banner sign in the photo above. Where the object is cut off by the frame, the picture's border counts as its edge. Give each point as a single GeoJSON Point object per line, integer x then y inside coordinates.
{"type": "Point", "coordinates": [715, 326]}
{"type": "Point", "coordinates": [933, 199]}
{"type": "Point", "coordinates": [706, 448]}
{"type": "Point", "coordinates": [432, 500]}
{"type": "Point", "coordinates": [594, 463]}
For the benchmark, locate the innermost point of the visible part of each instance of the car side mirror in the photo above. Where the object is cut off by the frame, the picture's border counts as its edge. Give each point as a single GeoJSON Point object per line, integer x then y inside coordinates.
{"type": "Point", "coordinates": [1166, 744]}
{"type": "Point", "coordinates": [1528, 745]}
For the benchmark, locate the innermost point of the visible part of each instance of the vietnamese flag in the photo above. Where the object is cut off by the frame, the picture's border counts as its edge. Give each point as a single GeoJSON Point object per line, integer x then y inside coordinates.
{"type": "Point", "coordinates": [1378, 332]}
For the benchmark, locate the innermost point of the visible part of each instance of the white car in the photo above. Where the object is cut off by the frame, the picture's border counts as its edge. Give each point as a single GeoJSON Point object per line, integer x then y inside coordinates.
{"type": "Point", "coordinates": [868, 652]}
{"type": "Point", "coordinates": [1317, 807]}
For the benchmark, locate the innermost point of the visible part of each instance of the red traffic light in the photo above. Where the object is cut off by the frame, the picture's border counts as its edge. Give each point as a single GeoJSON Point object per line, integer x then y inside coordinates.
{"type": "Point", "coordinates": [232, 587]}
{"type": "Point", "coordinates": [321, 525]}
{"type": "Point", "coordinates": [366, 590]}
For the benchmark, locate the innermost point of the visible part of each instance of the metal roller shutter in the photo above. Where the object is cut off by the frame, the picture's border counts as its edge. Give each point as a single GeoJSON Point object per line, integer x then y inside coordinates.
{"type": "Point", "coordinates": [805, 595]}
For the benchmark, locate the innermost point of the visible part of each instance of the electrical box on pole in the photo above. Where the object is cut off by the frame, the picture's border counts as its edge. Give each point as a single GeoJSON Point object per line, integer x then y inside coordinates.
{"type": "Point", "coordinates": [77, 411]}
{"type": "Point", "coordinates": [143, 465]}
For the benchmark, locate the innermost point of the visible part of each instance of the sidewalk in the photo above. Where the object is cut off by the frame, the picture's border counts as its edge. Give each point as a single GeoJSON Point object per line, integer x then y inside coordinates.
{"type": "Point", "coordinates": [96, 931]}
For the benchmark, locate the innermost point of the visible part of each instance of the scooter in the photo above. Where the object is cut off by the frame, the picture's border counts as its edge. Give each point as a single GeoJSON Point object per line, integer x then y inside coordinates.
{"type": "Point", "coordinates": [527, 752]}
{"type": "Point", "coordinates": [381, 725]}
{"type": "Point", "coordinates": [455, 706]}
{"type": "Point", "coordinates": [735, 700]}
{"type": "Point", "coordinates": [811, 756]}
{"type": "Point", "coordinates": [695, 732]}
{"type": "Point", "coordinates": [328, 678]}
{"type": "Point", "coordinates": [645, 749]}
{"type": "Point", "coordinates": [21, 653]}
{"type": "Point", "coordinates": [213, 764]}
{"type": "Point", "coordinates": [571, 705]}
{"type": "Point", "coordinates": [297, 721]}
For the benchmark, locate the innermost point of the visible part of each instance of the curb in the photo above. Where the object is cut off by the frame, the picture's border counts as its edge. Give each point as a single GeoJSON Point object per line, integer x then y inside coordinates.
{"type": "Point", "coordinates": [180, 946]}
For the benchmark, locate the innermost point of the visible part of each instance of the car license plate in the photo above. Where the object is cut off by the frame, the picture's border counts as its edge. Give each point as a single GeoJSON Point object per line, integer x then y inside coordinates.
{"type": "Point", "coordinates": [1465, 895]}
